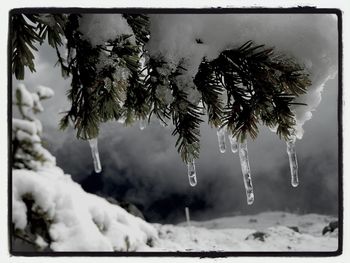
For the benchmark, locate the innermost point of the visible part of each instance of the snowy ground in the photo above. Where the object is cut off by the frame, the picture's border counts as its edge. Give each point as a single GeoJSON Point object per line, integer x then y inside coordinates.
{"type": "Point", "coordinates": [236, 234]}
{"type": "Point", "coordinates": [79, 221]}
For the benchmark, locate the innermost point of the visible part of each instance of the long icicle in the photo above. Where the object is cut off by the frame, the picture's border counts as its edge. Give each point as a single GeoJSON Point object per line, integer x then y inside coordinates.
{"type": "Point", "coordinates": [191, 172]}
{"type": "Point", "coordinates": [95, 155]}
{"type": "Point", "coordinates": [233, 142]}
{"type": "Point", "coordinates": [221, 139]}
{"type": "Point", "coordinates": [293, 162]}
{"type": "Point", "coordinates": [243, 156]}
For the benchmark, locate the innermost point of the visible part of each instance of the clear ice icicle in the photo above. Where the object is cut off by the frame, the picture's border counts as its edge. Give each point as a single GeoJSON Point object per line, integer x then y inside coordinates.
{"type": "Point", "coordinates": [221, 139]}
{"type": "Point", "coordinates": [243, 156]}
{"type": "Point", "coordinates": [293, 162]}
{"type": "Point", "coordinates": [233, 142]}
{"type": "Point", "coordinates": [191, 172]}
{"type": "Point", "coordinates": [142, 124]}
{"type": "Point", "coordinates": [95, 155]}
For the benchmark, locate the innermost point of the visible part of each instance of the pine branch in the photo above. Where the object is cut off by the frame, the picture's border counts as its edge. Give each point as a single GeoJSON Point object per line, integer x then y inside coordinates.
{"type": "Point", "coordinates": [211, 89]}
{"type": "Point", "coordinates": [140, 26]}
{"type": "Point", "coordinates": [135, 106]}
{"type": "Point", "coordinates": [23, 39]}
{"type": "Point", "coordinates": [157, 85]}
{"type": "Point", "coordinates": [259, 85]}
{"type": "Point", "coordinates": [187, 118]}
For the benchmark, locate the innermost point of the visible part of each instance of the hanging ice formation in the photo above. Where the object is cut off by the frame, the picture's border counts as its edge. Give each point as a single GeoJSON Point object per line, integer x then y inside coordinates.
{"type": "Point", "coordinates": [233, 142]}
{"type": "Point", "coordinates": [191, 172]}
{"type": "Point", "coordinates": [95, 155]}
{"type": "Point", "coordinates": [221, 139]}
{"type": "Point", "coordinates": [142, 124]}
{"type": "Point", "coordinates": [243, 156]}
{"type": "Point", "coordinates": [293, 162]}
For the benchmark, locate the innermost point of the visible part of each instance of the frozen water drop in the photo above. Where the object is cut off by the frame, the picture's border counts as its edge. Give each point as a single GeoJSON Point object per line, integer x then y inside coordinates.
{"type": "Point", "coordinates": [250, 198]}
{"type": "Point", "coordinates": [95, 155]}
{"type": "Point", "coordinates": [142, 124]}
{"type": "Point", "coordinates": [221, 139]}
{"type": "Point", "coordinates": [191, 172]}
{"type": "Point", "coordinates": [233, 142]}
{"type": "Point", "coordinates": [293, 162]}
{"type": "Point", "coordinates": [248, 184]}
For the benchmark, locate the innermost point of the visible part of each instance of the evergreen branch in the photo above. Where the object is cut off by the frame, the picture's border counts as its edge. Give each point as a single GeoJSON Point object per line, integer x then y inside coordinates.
{"type": "Point", "coordinates": [157, 85]}
{"type": "Point", "coordinates": [24, 37]}
{"type": "Point", "coordinates": [187, 118]}
{"type": "Point", "coordinates": [260, 87]}
{"type": "Point", "coordinates": [140, 26]}
{"type": "Point", "coordinates": [211, 89]}
{"type": "Point", "coordinates": [108, 82]}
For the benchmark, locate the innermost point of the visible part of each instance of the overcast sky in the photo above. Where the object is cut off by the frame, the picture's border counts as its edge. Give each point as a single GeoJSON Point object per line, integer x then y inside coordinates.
{"type": "Point", "coordinates": [144, 167]}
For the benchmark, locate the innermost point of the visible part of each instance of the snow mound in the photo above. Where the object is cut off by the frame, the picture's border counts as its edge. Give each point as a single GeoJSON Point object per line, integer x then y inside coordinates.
{"type": "Point", "coordinates": [79, 221]}
{"type": "Point", "coordinates": [271, 231]}
{"type": "Point", "coordinates": [44, 92]}
{"type": "Point", "coordinates": [308, 223]}
{"type": "Point", "coordinates": [99, 28]}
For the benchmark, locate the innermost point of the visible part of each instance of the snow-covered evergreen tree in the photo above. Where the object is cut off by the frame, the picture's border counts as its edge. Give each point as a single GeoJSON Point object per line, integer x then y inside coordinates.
{"type": "Point", "coordinates": [27, 149]}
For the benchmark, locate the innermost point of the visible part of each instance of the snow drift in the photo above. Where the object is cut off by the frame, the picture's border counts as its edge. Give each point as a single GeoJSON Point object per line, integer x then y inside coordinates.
{"type": "Point", "coordinates": [269, 231]}
{"type": "Point", "coordinates": [80, 221]}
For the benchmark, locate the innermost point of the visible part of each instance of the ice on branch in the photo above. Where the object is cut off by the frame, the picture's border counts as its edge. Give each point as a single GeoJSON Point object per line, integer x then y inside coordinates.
{"type": "Point", "coordinates": [221, 139]}
{"type": "Point", "coordinates": [248, 184]}
{"type": "Point", "coordinates": [233, 142]}
{"type": "Point", "coordinates": [95, 155]}
{"type": "Point", "coordinates": [191, 172]}
{"type": "Point", "coordinates": [293, 162]}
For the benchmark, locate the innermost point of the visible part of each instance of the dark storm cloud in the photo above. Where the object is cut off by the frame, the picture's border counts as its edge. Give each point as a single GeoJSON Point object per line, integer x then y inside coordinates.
{"type": "Point", "coordinates": [144, 167]}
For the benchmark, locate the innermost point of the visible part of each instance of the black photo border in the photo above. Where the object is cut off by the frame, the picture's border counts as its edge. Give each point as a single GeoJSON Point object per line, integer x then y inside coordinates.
{"type": "Point", "coordinates": [206, 254]}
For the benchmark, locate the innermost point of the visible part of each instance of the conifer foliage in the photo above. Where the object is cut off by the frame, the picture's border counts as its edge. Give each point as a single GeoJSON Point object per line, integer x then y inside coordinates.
{"type": "Point", "coordinates": [120, 80]}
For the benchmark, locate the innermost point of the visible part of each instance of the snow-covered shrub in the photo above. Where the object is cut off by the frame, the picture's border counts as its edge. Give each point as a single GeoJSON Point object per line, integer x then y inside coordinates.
{"type": "Point", "coordinates": [27, 149]}
{"type": "Point", "coordinates": [74, 220]}
{"type": "Point", "coordinates": [52, 212]}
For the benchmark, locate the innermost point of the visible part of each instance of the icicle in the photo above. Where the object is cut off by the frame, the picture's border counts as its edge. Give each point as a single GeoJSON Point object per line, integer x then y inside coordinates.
{"type": "Point", "coordinates": [293, 162]}
{"type": "Point", "coordinates": [191, 172]}
{"type": "Point", "coordinates": [95, 155]}
{"type": "Point", "coordinates": [142, 124]}
{"type": "Point", "coordinates": [243, 156]}
{"type": "Point", "coordinates": [221, 139]}
{"type": "Point", "coordinates": [233, 142]}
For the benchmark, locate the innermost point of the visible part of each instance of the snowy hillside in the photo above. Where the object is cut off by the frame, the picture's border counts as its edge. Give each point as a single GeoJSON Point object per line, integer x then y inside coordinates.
{"type": "Point", "coordinates": [79, 221]}
{"type": "Point", "coordinates": [272, 231]}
